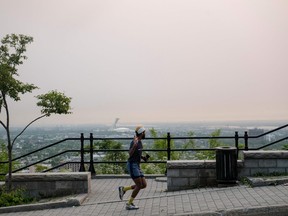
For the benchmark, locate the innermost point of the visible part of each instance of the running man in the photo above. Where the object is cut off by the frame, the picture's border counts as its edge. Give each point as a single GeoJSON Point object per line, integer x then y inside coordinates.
{"type": "Point", "coordinates": [133, 167]}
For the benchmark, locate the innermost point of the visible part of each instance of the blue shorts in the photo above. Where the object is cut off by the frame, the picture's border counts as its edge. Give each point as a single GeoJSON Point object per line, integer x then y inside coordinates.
{"type": "Point", "coordinates": [134, 170]}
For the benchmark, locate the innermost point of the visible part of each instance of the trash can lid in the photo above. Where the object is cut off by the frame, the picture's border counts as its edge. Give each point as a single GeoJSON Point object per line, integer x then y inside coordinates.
{"type": "Point", "coordinates": [225, 148]}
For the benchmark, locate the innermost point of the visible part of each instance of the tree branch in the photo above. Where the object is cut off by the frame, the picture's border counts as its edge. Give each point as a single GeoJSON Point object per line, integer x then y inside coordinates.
{"type": "Point", "coordinates": [3, 125]}
{"type": "Point", "coordinates": [27, 127]}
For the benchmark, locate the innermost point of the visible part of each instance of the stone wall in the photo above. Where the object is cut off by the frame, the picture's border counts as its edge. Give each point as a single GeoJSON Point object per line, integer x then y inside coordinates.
{"type": "Point", "coordinates": [52, 184]}
{"type": "Point", "coordinates": [184, 174]}
{"type": "Point", "coordinates": [264, 162]}
{"type": "Point", "coordinates": [187, 174]}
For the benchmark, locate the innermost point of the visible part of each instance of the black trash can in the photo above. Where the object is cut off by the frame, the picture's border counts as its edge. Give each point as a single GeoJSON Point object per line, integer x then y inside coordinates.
{"type": "Point", "coordinates": [226, 165]}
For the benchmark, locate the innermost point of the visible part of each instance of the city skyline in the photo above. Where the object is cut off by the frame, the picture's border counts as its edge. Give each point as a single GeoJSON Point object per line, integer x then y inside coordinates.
{"type": "Point", "coordinates": [153, 61]}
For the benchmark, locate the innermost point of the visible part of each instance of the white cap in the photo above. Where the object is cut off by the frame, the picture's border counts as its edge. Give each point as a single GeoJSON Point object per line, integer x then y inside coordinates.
{"type": "Point", "coordinates": [140, 129]}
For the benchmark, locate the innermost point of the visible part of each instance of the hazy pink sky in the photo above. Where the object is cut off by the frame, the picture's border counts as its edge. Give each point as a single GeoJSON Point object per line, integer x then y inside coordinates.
{"type": "Point", "coordinates": [154, 60]}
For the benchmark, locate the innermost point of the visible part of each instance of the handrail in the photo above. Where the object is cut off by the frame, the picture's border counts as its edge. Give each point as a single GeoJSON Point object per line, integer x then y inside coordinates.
{"type": "Point", "coordinates": [268, 132]}
{"type": "Point", "coordinates": [277, 141]}
{"type": "Point", "coordinates": [45, 147]}
{"type": "Point", "coordinates": [168, 149]}
{"type": "Point", "coordinates": [19, 169]}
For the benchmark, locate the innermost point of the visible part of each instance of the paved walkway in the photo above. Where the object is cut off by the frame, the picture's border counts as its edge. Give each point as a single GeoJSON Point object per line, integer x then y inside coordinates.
{"type": "Point", "coordinates": [238, 200]}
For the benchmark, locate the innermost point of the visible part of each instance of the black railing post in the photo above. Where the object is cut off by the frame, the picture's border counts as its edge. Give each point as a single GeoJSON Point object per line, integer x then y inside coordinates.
{"type": "Point", "coordinates": [246, 140]}
{"type": "Point", "coordinates": [82, 167]}
{"type": "Point", "coordinates": [237, 142]}
{"type": "Point", "coordinates": [168, 146]}
{"type": "Point", "coordinates": [91, 167]}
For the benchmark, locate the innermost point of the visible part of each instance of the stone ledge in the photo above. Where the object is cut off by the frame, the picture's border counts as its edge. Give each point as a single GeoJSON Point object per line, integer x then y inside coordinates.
{"type": "Point", "coordinates": [265, 154]}
{"type": "Point", "coordinates": [196, 164]}
{"type": "Point", "coordinates": [187, 164]}
{"type": "Point", "coordinates": [31, 177]}
{"type": "Point", "coordinates": [45, 185]}
{"type": "Point", "coordinates": [267, 181]}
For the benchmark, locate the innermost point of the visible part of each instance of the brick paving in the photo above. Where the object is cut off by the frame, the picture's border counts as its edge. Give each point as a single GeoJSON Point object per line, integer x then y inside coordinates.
{"type": "Point", "coordinates": [154, 200]}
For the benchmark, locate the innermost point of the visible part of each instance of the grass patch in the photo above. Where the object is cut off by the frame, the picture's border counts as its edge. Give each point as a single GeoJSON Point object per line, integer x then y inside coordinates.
{"type": "Point", "coordinates": [273, 174]}
{"type": "Point", "coordinates": [245, 181]}
{"type": "Point", "coordinates": [14, 197]}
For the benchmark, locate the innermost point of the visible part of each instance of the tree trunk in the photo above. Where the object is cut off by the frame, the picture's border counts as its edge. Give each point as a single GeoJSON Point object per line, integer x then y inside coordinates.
{"type": "Point", "coordinates": [10, 167]}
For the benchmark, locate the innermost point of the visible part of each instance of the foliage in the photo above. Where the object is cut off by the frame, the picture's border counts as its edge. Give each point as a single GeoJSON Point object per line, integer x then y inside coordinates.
{"type": "Point", "coordinates": [40, 168]}
{"type": "Point", "coordinates": [159, 155]}
{"type": "Point", "coordinates": [111, 168]}
{"type": "Point", "coordinates": [150, 168]}
{"type": "Point", "coordinates": [162, 144]}
{"type": "Point", "coordinates": [12, 55]}
{"type": "Point", "coordinates": [4, 157]}
{"type": "Point", "coordinates": [285, 147]}
{"type": "Point", "coordinates": [213, 143]}
{"type": "Point", "coordinates": [12, 49]}
{"type": "Point", "coordinates": [261, 174]}
{"type": "Point", "coordinates": [245, 181]}
{"type": "Point", "coordinates": [187, 155]}
{"type": "Point", "coordinates": [240, 153]}
{"type": "Point", "coordinates": [14, 197]}
{"type": "Point", "coordinates": [54, 102]}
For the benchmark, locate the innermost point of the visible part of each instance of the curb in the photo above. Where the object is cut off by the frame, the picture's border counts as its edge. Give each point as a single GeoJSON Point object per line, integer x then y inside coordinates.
{"type": "Point", "coordinates": [69, 202]}
{"type": "Point", "coordinates": [267, 181]}
{"type": "Point", "coordinates": [275, 210]}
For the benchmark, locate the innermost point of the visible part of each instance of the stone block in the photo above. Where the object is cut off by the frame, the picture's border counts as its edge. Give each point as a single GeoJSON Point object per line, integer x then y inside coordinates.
{"type": "Point", "coordinates": [180, 182]}
{"type": "Point", "coordinates": [211, 182]}
{"type": "Point", "coordinates": [194, 182]}
{"type": "Point", "coordinates": [244, 172]}
{"type": "Point", "coordinates": [255, 171]}
{"type": "Point", "coordinates": [63, 184]}
{"type": "Point", "coordinates": [282, 162]}
{"type": "Point", "coordinates": [169, 181]}
{"type": "Point", "coordinates": [207, 173]}
{"type": "Point", "coordinates": [251, 163]}
{"type": "Point", "coordinates": [267, 163]}
{"type": "Point", "coordinates": [173, 172]}
{"type": "Point", "coordinates": [276, 170]}
{"type": "Point", "coordinates": [188, 172]}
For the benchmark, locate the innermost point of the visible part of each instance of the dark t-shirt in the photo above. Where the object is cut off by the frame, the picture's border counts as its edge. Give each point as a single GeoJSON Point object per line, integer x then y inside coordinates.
{"type": "Point", "coordinates": [136, 157]}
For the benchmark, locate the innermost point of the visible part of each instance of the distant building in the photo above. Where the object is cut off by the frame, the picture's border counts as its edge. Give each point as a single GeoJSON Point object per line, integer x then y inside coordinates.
{"type": "Point", "coordinates": [73, 167]}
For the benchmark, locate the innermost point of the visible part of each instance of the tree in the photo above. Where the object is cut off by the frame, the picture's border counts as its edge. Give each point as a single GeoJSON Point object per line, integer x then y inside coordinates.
{"type": "Point", "coordinates": [12, 51]}
{"type": "Point", "coordinates": [117, 156]}
{"type": "Point", "coordinates": [40, 168]}
{"type": "Point", "coordinates": [213, 143]}
{"type": "Point", "coordinates": [160, 155]}
{"type": "Point", "coordinates": [4, 157]}
{"type": "Point", "coordinates": [285, 147]}
{"type": "Point", "coordinates": [190, 144]}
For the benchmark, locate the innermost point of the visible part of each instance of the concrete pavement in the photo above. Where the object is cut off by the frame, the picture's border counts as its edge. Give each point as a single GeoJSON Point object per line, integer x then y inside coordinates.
{"type": "Point", "coordinates": [154, 200]}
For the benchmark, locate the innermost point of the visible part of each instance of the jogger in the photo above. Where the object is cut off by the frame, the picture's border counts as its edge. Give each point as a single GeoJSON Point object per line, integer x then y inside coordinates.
{"type": "Point", "coordinates": [133, 167]}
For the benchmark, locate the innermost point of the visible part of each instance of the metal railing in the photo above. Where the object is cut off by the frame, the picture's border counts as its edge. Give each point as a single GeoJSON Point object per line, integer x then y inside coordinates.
{"type": "Point", "coordinates": [168, 149]}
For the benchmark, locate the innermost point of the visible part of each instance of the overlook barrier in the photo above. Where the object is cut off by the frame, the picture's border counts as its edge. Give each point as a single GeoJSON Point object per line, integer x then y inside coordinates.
{"type": "Point", "coordinates": [246, 138]}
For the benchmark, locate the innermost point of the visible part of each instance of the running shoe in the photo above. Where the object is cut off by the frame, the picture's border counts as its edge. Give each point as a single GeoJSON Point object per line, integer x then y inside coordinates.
{"type": "Point", "coordinates": [121, 192]}
{"type": "Point", "coordinates": [131, 206]}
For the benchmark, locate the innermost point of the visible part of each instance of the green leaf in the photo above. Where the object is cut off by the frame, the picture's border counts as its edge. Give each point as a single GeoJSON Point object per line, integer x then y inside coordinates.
{"type": "Point", "coordinates": [54, 102]}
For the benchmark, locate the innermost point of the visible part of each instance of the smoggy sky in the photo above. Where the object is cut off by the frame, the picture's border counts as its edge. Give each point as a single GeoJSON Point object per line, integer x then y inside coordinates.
{"type": "Point", "coordinates": [153, 60]}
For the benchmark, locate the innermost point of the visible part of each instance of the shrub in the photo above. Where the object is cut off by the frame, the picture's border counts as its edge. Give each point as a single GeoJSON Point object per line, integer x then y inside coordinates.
{"type": "Point", "coordinates": [14, 197]}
